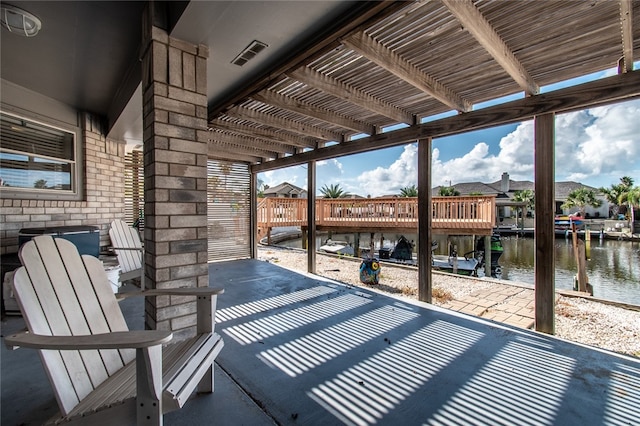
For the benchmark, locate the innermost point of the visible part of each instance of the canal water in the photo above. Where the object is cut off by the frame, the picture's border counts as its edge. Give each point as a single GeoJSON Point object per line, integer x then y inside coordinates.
{"type": "Point", "coordinates": [613, 267]}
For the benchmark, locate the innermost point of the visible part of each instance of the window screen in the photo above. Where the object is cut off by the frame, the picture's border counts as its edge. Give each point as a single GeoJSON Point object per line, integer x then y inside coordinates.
{"type": "Point", "coordinates": [35, 156]}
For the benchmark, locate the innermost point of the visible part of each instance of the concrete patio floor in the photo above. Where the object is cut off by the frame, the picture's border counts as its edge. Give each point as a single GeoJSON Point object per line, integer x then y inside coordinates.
{"type": "Point", "coordinates": [303, 350]}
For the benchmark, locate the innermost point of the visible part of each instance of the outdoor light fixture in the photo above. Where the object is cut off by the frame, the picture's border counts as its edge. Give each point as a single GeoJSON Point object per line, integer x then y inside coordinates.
{"type": "Point", "coordinates": [19, 21]}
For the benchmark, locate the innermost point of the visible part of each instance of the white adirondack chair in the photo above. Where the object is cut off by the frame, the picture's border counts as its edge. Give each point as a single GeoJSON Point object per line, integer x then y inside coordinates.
{"type": "Point", "coordinates": [75, 322]}
{"type": "Point", "coordinates": [128, 247]}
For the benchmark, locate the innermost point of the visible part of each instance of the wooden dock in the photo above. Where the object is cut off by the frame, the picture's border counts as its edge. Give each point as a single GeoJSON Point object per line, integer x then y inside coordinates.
{"type": "Point", "coordinates": [460, 215]}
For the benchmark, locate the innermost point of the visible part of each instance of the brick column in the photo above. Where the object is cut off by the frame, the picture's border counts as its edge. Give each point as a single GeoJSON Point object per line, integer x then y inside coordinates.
{"type": "Point", "coordinates": [175, 173]}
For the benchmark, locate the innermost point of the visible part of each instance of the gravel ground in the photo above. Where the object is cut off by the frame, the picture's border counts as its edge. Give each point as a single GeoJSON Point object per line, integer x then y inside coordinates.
{"type": "Point", "coordinates": [577, 319]}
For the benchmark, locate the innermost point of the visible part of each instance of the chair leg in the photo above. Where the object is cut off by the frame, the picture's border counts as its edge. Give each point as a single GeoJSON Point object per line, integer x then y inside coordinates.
{"type": "Point", "coordinates": [206, 310]}
{"type": "Point", "coordinates": [206, 383]}
{"type": "Point", "coordinates": [149, 385]}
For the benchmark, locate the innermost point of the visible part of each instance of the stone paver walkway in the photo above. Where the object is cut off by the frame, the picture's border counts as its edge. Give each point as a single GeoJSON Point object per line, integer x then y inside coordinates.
{"type": "Point", "coordinates": [504, 303]}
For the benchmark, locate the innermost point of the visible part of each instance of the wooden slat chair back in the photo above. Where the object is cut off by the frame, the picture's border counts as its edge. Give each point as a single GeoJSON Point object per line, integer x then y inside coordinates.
{"type": "Point", "coordinates": [129, 251]}
{"type": "Point", "coordinates": [67, 303]}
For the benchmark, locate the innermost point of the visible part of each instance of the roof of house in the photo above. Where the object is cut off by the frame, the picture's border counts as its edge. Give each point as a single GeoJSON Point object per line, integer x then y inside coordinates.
{"type": "Point", "coordinates": [285, 187]}
{"type": "Point", "coordinates": [514, 185]}
{"type": "Point", "coordinates": [562, 189]}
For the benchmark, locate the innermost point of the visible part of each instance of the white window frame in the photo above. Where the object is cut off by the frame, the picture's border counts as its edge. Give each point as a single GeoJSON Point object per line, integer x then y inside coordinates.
{"type": "Point", "coordinates": [76, 171]}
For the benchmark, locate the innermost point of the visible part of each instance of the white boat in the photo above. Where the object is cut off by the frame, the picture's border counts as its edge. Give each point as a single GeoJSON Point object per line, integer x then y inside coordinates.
{"type": "Point", "coordinates": [336, 247]}
{"type": "Point", "coordinates": [466, 266]}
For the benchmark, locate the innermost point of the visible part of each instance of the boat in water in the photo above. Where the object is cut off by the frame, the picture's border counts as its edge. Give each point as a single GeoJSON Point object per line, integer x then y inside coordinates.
{"type": "Point", "coordinates": [337, 247]}
{"type": "Point", "coordinates": [496, 252]}
{"type": "Point", "coordinates": [455, 264]}
{"type": "Point", "coordinates": [402, 252]}
{"type": "Point", "coordinates": [566, 222]}
{"type": "Point", "coordinates": [467, 264]}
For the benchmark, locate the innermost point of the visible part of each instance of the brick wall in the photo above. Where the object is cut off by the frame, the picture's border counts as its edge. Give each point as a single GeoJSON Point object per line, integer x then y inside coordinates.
{"type": "Point", "coordinates": [103, 201]}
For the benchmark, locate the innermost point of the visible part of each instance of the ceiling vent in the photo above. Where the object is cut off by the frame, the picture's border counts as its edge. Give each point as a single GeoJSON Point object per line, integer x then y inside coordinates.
{"type": "Point", "coordinates": [249, 52]}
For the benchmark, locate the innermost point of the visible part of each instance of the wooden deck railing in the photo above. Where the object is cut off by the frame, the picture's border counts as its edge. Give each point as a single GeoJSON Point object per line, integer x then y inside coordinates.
{"type": "Point", "coordinates": [466, 213]}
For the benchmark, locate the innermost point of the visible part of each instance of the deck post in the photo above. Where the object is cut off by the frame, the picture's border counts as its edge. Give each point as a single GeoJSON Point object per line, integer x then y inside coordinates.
{"type": "Point", "coordinates": [304, 231]}
{"type": "Point", "coordinates": [356, 244]}
{"type": "Point", "coordinates": [487, 255]}
{"type": "Point", "coordinates": [311, 217]}
{"type": "Point", "coordinates": [372, 245]}
{"type": "Point", "coordinates": [253, 219]}
{"type": "Point", "coordinates": [424, 220]}
{"type": "Point", "coordinates": [544, 264]}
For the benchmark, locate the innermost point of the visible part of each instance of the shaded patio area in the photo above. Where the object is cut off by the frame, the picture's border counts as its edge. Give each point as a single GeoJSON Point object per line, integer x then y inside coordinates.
{"type": "Point", "coordinates": [316, 352]}
{"type": "Point", "coordinates": [312, 351]}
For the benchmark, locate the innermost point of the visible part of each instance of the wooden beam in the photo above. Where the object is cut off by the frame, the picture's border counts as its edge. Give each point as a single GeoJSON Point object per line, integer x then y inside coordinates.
{"type": "Point", "coordinates": [477, 25]}
{"type": "Point", "coordinates": [425, 285]}
{"type": "Point", "coordinates": [626, 22]}
{"type": "Point", "coordinates": [311, 217]}
{"type": "Point", "coordinates": [403, 69]}
{"type": "Point", "coordinates": [544, 233]}
{"type": "Point", "coordinates": [351, 94]}
{"type": "Point", "coordinates": [219, 151]}
{"type": "Point", "coordinates": [232, 156]}
{"type": "Point", "coordinates": [263, 148]}
{"type": "Point", "coordinates": [290, 104]}
{"type": "Point", "coordinates": [595, 93]}
{"type": "Point", "coordinates": [259, 117]}
{"type": "Point", "coordinates": [276, 138]}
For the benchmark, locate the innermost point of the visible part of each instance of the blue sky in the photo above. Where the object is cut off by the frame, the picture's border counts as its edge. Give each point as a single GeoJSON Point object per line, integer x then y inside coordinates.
{"type": "Point", "coordinates": [596, 147]}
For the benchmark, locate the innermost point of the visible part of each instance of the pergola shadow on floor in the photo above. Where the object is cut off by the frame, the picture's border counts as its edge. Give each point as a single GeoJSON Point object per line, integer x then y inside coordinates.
{"type": "Point", "coordinates": [310, 351]}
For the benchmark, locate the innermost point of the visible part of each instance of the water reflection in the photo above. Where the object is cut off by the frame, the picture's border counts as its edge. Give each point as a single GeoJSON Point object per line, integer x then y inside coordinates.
{"type": "Point", "coordinates": [613, 267]}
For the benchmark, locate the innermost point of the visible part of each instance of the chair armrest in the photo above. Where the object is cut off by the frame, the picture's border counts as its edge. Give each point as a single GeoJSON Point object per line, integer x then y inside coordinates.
{"type": "Point", "coordinates": [206, 302]}
{"type": "Point", "coordinates": [182, 291]}
{"type": "Point", "coordinates": [116, 340]}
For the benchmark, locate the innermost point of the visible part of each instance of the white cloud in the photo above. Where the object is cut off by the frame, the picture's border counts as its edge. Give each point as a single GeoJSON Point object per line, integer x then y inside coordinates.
{"type": "Point", "coordinates": [595, 146]}
{"type": "Point", "coordinates": [332, 165]}
{"type": "Point", "coordinates": [479, 166]}
{"type": "Point", "coordinates": [601, 143]}
{"type": "Point", "coordinates": [294, 175]}
{"type": "Point", "coordinates": [388, 181]}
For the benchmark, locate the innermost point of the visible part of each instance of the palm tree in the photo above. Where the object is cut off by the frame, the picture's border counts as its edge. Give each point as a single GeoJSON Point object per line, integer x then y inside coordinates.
{"type": "Point", "coordinates": [409, 191]}
{"type": "Point", "coordinates": [581, 198]}
{"type": "Point", "coordinates": [614, 193]}
{"type": "Point", "coordinates": [632, 199]}
{"type": "Point", "coordinates": [633, 196]}
{"type": "Point", "coordinates": [261, 188]}
{"type": "Point", "coordinates": [333, 191]}
{"type": "Point", "coordinates": [627, 181]}
{"type": "Point", "coordinates": [526, 196]}
{"type": "Point", "coordinates": [448, 191]}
